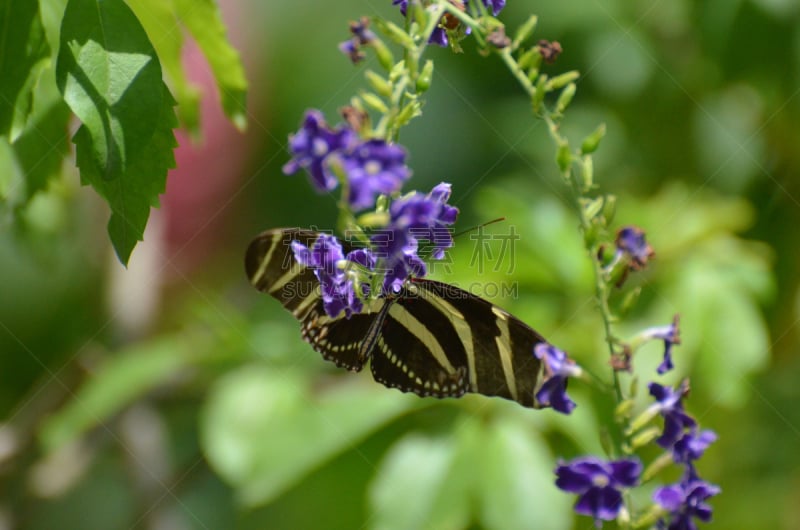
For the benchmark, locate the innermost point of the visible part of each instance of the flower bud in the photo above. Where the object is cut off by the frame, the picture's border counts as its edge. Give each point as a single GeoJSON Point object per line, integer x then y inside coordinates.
{"type": "Point", "coordinates": [645, 437]}
{"type": "Point", "coordinates": [374, 102]}
{"type": "Point", "coordinates": [587, 172]}
{"type": "Point", "coordinates": [610, 208]}
{"type": "Point", "coordinates": [565, 98]}
{"type": "Point", "coordinates": [530, 61]}
{"type": "Point", "coordinates": [525, 31]}
{"type": "Point", "coordinates": [564, 157]}
{"type": "Point", "coordinates": [383, 53]}
{"type": "Point", "coordinates": [562, 80]}
{"type": "Point", "coordinates": [379, 84]}
{"type": "Point", "coordinates": [624, 409]}
{"type": "Point", "coordinates": [396, 33]}
{"type": "Point", "coordinates": [591, 142]}
{"type": "Point", "coordinates": [425, 77]}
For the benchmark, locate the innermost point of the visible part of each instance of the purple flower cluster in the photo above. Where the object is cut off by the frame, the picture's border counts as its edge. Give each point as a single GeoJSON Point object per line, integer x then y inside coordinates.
{"type": "Point", "coordinates": [684, 500]}
{"type": "Point", "coordinates": [598, 484]}
{"type": "Point", "coordinates": [371, 167]}
{"type": "Point", "coordinates": [413, 218]}
{"type": "Point", "coordinates": [439, 35]}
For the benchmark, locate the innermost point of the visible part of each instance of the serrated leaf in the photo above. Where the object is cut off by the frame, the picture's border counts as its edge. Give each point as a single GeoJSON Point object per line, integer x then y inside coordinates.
{"type": "Point", "coordinates": [131, 195]}
{"type": "Point", "coordinates": [204, 21]}
{"type": "Point", "coordinates": [110, 77]}
{"type": "Point", "coordinates": [117, 383]}
{"type": "Point", "coordinates": [162, 26]}
{"type": "Point", "coordinates": [24, 52]}
{"type": "Point", "coordinates": [263, 431]}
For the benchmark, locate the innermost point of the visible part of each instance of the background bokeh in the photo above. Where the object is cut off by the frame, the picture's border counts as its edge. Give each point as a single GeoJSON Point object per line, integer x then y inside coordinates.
{"type": "Point", "coordinates": [171, 395]}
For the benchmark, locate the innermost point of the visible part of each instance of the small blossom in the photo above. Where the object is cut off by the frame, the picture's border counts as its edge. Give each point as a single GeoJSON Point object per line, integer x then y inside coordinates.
{"type": "Point", "coordinates": [313, 145]}
{"type": "Point", "coordinates": [355, 118]}
{"type": "Point", "coordinates": [330, 266]}
{"type": "Point", "coordinates": [374, 167]}
{"type": "Point", "coordinates": [670, 407]}
{"type": "Point", "coordinates": [685, 501]}
{"type": "Point", "coordinates": [361, 31]}
{"type": "Point", "coordinates": [598, 483]}
{"type": "Point", "coordinates": [670, 335]}
{"type": "Point", "coordinates": [692, 445]}
{"type": "Point", "coordinates": [557, 368]}
{"type": "Point", "coordinates": [495, 5]}
{"type": "Point", "coordinates": [352, 50]}
{"type": "Point", "coordinates": [498, 38]}
{"type": "Point", "coordinates": [550, 50]}
{"type": "Point", "coordinates": [631, 241]}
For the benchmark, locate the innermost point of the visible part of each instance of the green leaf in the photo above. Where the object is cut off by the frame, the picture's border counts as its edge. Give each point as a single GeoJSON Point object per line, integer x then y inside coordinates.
{"type": "Point", "coordinates": [263, 431]}
{"type": "Point", "coordinates": [43, 143]}
{"type": "Point", "coordinates": [409, 483]}
{"type": "Point", "coordinates": [517, 489]}
{"type": "Point", "coordinates": [36, 155]}
{"type": "Point", "coordinates": [12, 183]}
{"type": "Point", "coordinates": [120, 381]}
{"type": "Point", "coordinates": [110, 77]}
{"type": "Point", "coordinates": [131, 196]}
{"type": "Point", "coordinates": [161, 24]}
{"type": "Point", "coordinates": [23, 53]}
{"type": "Point", "coordinates": [52, 12]}
{"type": "Point", "coordinates": [203, 20]}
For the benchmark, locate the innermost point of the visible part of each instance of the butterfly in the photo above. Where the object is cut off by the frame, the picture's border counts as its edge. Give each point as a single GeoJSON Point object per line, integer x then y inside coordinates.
{"type": "Point", "coordinates": [430, 338]}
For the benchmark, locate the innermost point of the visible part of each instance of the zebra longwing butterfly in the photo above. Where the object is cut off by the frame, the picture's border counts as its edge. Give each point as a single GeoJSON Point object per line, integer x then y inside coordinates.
{"type": "Point", "coordinates": [432, 338]}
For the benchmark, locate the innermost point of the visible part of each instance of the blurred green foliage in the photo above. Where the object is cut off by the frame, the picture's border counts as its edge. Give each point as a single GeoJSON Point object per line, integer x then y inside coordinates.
{"type": "Point", "coordinates": [217, 415]}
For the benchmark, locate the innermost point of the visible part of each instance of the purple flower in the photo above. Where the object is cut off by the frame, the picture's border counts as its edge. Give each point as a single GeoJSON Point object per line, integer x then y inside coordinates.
{"type": "Point", "coordinates": [495, 5]}
{"type": "Point", "coordinates": [598, 483]}
{"type": "Point", "coordinates": [331, 268]}
{"type": "Point", "coordinates": [439, 37]}
{"type": "Point", "coordinates": [352, 50]}
{"type": "Point", "coordinates": [670, 407]}
{"type": "Point", "coordinates": [372, 168]}
{"type": "Point", "coordinates": [685, 501]}
{"type": "Point", "coordinates": [670, 335]}
{"type": "Point", "coordinates": [557, 368]}
{"type": "Point", "coordinates": [312, 146]}
{"type": "Point", "coordinates": [361, 31]}
{"type": "Point", "coordinates": [692, 445]}
{"type": "Point", "coordinates": [412, 218]}
{"type": "Point", "coordinates": [631, 241]}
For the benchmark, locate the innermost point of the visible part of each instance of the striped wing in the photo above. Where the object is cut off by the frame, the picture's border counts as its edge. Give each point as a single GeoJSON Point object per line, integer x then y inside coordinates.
{"type": "Point", "coordinates": [439, 340]}
{"type": "Point", "coordinates": [433, 339]}
{"type": "Point", "coordinates": [271, 268]}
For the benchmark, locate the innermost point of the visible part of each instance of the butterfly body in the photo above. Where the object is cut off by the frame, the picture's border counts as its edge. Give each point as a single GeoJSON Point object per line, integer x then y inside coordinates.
{"type": "Point", "coordinates": [431, 338]}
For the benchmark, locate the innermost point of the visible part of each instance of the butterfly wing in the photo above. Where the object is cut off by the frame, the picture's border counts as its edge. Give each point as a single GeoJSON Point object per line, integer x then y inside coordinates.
{"type": "Point", "coordinates": [271, 268]}
{"type": "Point", "coordinates": [439, 340]}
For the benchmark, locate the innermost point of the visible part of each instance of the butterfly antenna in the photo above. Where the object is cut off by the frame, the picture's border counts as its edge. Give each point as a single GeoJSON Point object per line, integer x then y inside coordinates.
{"type": "Point", "coordinates": [476, 227]}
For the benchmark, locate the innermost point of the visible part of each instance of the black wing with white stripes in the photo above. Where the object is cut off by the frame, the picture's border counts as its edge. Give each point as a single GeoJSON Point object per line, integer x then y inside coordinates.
{"type": "Point", "coordinates": [432, 338]}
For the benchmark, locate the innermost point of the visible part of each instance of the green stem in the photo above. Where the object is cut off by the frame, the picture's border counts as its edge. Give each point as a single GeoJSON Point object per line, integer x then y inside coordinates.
{"type": "Point", "coordinates": [600, 286]}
